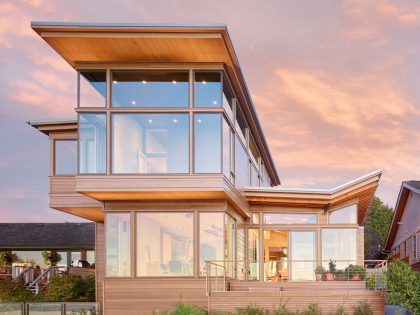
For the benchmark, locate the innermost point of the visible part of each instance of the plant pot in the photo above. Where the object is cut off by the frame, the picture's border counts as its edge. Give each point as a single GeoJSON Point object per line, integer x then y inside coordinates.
{"type": "Point", "coordinates": [329, 276]}
{"type": "Point", "coordinates": [318, 277]}
{"type": "Point", "coordinates": [355, 277]}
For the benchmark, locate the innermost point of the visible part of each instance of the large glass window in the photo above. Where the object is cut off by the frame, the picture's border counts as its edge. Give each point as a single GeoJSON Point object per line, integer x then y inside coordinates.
{"type": "Point", "coordinates": [340, 246]}
{"type": "Point", "coordinates": [150, 88]}
{"type": "Point", "coordinates": [227, 147]}
{"type": "Point", "coordinates": [241, 125]}
{"type": "Point", "coordinates": [253, 254]}
{"type": "Point", "coordinates": [165, 244]}
{"type": "Point", "coordinates": [92, 143]}
{"type": "Point", "coordinates": [302, 255]}
{"type": "Point", "coordinates": [345, 215]}
{"type": "Point", "coordinates": [241, 165]}
{"type": "Point", "coordinates": [117, 239]}
{"type": "Point", "coordinates": [211, 238]}
{"type": "Point", "coordinates": [230, 248]}
{"type": "Point", "coordinates": [207, 89]}
{"type": "Point", "coordinates": [207, 143]}
{"type": "Point", "coordinates": [150, 143]}
{"type": "Point", "coordinates": [227, 98]}
{"type": "Point", "coordinates": [289, 218]}
{"type": "Point", "coordinates": [65, 157]}
{"type": "Point", "coordinates": [92, 88]}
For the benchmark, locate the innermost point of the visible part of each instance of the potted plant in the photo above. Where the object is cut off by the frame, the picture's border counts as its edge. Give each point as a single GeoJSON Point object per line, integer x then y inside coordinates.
{"type": "Point", "coordinates": [319, 272]}
{"type": "Point", "coordinates": [331, 270]}
{"type": "Point", "coordinates": [356, 272]}
{"type": "Point", "coordinates": [340, 275]}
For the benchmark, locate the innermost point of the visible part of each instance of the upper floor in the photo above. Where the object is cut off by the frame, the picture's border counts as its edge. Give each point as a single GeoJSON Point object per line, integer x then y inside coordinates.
{"type": "Point", "coordinates": [160, 108]}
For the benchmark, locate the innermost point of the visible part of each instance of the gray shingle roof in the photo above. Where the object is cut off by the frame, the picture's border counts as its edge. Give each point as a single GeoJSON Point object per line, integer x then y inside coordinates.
{"type": "Point", "coordinates": [413, 183]}
{"type": "Point", "coordinates": [47, 235]}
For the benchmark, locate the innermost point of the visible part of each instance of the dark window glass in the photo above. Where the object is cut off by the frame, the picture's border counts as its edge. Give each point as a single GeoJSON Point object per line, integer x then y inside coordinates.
{"type": "Point", "coordinates": [92, 88]}
{"type": "Point", "coordinates": [65, 157]}
{"type": "Point", "coordinates": [227, 98]}
{"type": "Point", "coordinates": [241, 123]}
{"type": "Point", "coordinates": [150, 89]}
{"type": "Point", "coordinates": [207, 89]}
{"type": "Point", "coordinates": [207, 143]}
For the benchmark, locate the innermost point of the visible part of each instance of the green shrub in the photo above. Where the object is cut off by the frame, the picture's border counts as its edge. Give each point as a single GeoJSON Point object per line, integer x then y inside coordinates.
{"type": "Point", "coordinates": [356, 269]}
{"type": "Point", "coordinates": [312, 309]}
{"type": "Point", "coordinates": [371, 282]}
{"type": "Point", "coordinates": [338, 311]}
{"type": "Point", "coordinates": [403, 286]}
{"type": "Point", "coordinates": [184, 309]}
{"type": "Point", "coordinates": [71, 288]}
{"type": "Point", "coordinates": [11, 291]}
{"type": "Point", "coordinates": [363, 308]}
{"type": "Point", "coordinates": [320, 270]}
{"type": "Point", "coordinates": [251, 310]}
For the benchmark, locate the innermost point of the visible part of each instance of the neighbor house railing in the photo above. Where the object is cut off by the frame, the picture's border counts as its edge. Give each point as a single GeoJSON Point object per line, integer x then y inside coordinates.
{"type": "Point", "coordinates": [219, 274]}
{"type": "Point", "coordinates": [50, 308]}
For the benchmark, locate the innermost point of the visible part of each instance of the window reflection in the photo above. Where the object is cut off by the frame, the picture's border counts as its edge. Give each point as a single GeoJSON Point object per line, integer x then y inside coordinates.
{"type": "Point", "coordinates": [207, 89]}
{"type": "Point", "coordinates": [65, 157]}
{"type": "Point", "coordinates": [339, 245]}
{"type": "Point", "coordinates": [227, 98]}
{"type": "Point", "coordinates": [207, 143]}
{"type": "Point", "coordinates": [211, 238]}
{"type": "Point", "coordinates": [150, 143]}
{"type": "Point", "coordinates": [165, 244]}
{"type": "Point", "coordinates": [150, 89]}
{"type": "Point", "coordinates": [346, 215]}
{"type": "Point", "coordinates": [92, 143]}
{"type": "Point", "coordinates": [290, 218]}
{"type": "Point", "coordinates": [92, 88]}
{"type": "Point", "coordinates": [241, 165]}
{"type": "Point", "coordinates": [117, 231]}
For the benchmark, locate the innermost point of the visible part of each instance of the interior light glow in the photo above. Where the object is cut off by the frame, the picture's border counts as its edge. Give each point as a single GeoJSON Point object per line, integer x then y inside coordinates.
{"type": "Point", "coordinates": [204, 82]}
{"type": "Point", "coordinates": [199, 120]}
{"type": "Point", "coordinates": [144, 82]}
{"type": "Point", "coordinates": [150, 121]}
{"type": "Point", "coordinates": [214, 102]}
{"type": "Point", "coordinates": [175, 120]}
{"type": "Point", "coordinates": [115, 81]}
{"type": "Point", "coordinates": [174, 82]}
{"type": "Point", "coordinates": [133, 102]}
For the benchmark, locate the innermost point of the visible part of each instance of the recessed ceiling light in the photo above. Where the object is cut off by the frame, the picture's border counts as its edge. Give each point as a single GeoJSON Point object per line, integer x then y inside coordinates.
{"type": "Point", "coordinates": [144, 82]}
{"type": "Point", "coordinates": [199, 120]}
{"type": "Point", "coordinates": [204, 82]}
{"type": "Point", "coordinates": [175, 120]}
{"type": "Point", "coordinates": [150, 121]}
{"type": "Point", "coordinates": [214, 102]}
{"type": "Point", "coordinates": [133, 102]}
{"type": "Point", "coordinates": [174, 82]}
{"type": "Point", "coordinates": [115, 81]}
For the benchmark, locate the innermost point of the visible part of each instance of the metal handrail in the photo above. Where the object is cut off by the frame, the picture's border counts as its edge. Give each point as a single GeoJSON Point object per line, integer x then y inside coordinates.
{"type": "Point", "coordinates": [343, 271]}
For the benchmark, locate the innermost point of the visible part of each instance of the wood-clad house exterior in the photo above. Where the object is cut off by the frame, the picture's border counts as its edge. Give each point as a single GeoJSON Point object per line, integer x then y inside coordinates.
{"type": "Point", "coordinates": [404, 233]}
{"type": "Point", "coordinates": [172, 165]}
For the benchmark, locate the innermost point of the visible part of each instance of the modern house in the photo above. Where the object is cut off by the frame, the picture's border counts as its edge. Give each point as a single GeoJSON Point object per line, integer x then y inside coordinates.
{"type": "Point", "coordinates": [404, 233]}
{"type": "Point", "coordinates": [168, 157]}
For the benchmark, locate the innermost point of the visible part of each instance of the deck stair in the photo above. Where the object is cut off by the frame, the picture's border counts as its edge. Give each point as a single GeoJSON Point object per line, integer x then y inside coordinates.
{"type": "Point", "coordinates": [296, 295]}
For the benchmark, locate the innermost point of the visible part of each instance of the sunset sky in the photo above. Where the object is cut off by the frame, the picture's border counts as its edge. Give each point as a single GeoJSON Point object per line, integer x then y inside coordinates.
{"type": "Point", "coordinates": [336, 85]}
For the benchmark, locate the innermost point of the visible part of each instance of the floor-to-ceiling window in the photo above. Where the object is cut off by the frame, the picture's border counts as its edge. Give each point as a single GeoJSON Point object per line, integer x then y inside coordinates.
{"type": "Point", "coordinates": [211, 238]}
{"type": "Point", "coordinates": [165, 244]}
{"type": "Point", "coordinates": [339, 245]}
{"type": "Point", "coordinates": [302, 255]}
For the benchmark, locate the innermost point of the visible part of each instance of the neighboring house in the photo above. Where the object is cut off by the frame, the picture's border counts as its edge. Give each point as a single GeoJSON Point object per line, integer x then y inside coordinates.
{"type": "Point", "coordinates": [403, 241]}
{"type": "Point", "coordinates": [73, 241]}
{"type": "Point", "coordinates": [168, 157]}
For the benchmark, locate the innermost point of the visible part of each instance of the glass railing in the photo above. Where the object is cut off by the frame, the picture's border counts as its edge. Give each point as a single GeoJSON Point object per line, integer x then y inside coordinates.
{"type": "Point", "coordinates": [50, 308]}
{"type": "Point", "coordinates": [12, 308]}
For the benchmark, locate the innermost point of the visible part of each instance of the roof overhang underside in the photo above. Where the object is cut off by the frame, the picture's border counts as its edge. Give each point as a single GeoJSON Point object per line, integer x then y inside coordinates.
{"type": "Point", "coordinates": [362, 189]}
{"type": "Point", "coordinates": [148, 43]}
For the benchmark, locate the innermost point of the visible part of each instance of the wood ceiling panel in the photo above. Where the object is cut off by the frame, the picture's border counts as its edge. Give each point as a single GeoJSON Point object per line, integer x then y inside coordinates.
{"type": "Point", "coordinates": [84, 49]}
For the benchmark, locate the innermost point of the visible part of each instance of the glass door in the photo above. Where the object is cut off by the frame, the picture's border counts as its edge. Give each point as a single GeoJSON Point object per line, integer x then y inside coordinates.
{"type": "Point", "coordinates": [276, 247]}
{"type": "Point", "coordinates": [303, 255]}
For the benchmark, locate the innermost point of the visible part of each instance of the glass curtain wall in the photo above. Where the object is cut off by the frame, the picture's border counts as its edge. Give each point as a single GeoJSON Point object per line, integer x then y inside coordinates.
{"type": "Point", "coordinates": [92, 143]}
{"type": "Point", "coordinates": [92, 88]}
{"type": "Point", "coordinates": [212, 238]}
{"type": "Point", "coordinates": [165, 244]}
{"type": "Point", "coordinates": [345, 215]}
{"type": "Point", "coordinates": [303, 255]}
{"type": "Point", "coordinates": [117, 240]}
{"type": "Point", "coordinates": [253, 254]}
{"type": "Point", "coordinates": [207, 89]}
{"type": "Point", "coordinates": [339, 245]}
{"type": "Point", "coordinates": [150, 143]}
{"type": "Point", "coordinates": [207, 143]}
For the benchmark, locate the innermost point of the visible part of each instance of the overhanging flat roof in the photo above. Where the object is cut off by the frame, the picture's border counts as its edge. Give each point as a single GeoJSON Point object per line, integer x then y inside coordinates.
{"type": "Point", "coordinates": [48, 125]}
{"type": "Point", "coordinates": [362, 188]}
{"type": "Point", "coordinates": [81, 43]}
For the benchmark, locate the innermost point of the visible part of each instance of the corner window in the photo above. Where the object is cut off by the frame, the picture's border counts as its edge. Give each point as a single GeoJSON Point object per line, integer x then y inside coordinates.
{"type": "Point", "coordinates": [92, 88]}
{"type": "Point", "coordinates": [345, 215]}
{"type": "Point", "coordinates": [150, 143]}
{"type": "Point", "coordinates": [117, 239]}
{"type": "Point", "coordinates": [150, 88]}
{"type": "Point", "coordinates": [165, 244]}
{"type": "Point", "coordinates": [92, 143]}
{"type": "Point", "coordinates": [65, 157]}
{"type": "Point", "coordinates": [207, 143]}
{"type": "Point", "coordinates": [207, 89]}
